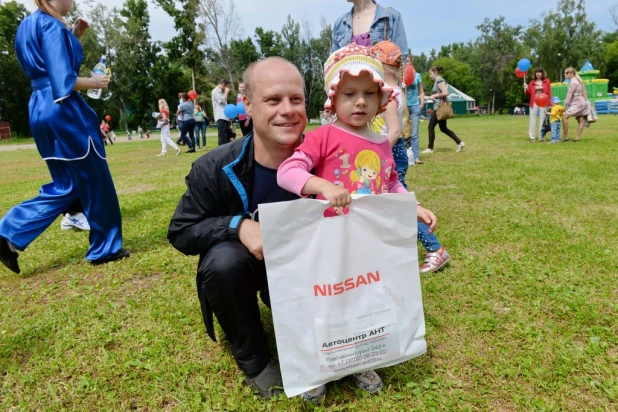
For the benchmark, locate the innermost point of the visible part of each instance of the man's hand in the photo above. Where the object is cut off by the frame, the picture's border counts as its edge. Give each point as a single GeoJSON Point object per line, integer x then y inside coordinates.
{"type": "Point", "coordinates": [251, 237]}
{"type": "Point", "coordinates": [426, 216]}
{"type": "Point", "coordinates": [336, 195]}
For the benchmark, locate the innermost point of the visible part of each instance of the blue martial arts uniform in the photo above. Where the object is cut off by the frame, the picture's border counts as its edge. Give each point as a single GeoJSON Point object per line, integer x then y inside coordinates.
{"type": "Point", "coordinates": [67, 135]}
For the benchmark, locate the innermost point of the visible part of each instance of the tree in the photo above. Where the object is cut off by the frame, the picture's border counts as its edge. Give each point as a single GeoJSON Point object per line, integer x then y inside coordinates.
{"type": "Point", "coordinates": [14, 84]}
{"type": "Point", "coordinates": [185, 46]}
{"type": "Point", "coordinates": [222, 25]}
{"type": "Point", "coordinates": [269, 43]}
{"type": "Point", "coordinates": [134, 58]}
{"type": "Point", "coordinates": [565, 37]}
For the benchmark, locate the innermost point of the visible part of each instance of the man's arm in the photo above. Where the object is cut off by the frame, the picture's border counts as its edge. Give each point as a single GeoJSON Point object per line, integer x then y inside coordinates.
{"type": "Point", "coordinates": [197, 224]}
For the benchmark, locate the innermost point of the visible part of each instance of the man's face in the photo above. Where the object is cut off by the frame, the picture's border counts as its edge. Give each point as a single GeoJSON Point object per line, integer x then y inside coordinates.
{"type": "Point", "coordinates": [222, 86]}
{"type": "Point", "coordinates": [277, 103]}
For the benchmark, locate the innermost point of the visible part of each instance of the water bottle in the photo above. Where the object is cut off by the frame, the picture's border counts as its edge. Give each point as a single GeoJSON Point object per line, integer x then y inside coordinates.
{"type": "Point", "coordinates": [98, 69]}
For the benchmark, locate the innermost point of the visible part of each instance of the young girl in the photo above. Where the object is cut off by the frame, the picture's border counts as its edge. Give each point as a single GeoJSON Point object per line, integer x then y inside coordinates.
{"type": "Point", "coordinates": [164, 123]}
{"type": "Point", "coordinates": [346, 155]}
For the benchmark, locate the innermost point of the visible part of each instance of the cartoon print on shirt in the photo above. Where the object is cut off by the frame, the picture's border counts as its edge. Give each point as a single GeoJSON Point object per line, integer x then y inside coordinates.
{"type": "Point", "coordinates": [365, 178]}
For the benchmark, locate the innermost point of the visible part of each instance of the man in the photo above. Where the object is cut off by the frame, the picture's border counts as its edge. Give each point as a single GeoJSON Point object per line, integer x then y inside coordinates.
{"type": "Point", "coordinates": [246, 123]}
{"type": "Point", "coordinates": [219, 101]}
{"type": "Point", "coordinates": [217, 216]}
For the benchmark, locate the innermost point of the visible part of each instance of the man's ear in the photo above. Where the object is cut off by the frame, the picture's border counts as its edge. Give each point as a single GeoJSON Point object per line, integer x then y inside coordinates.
{"type": "Point", "coordinates": [247, 101]}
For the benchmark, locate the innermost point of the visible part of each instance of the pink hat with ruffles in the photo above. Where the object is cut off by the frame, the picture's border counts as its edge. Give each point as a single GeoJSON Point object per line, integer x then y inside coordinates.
{"type": "Point", "coordinates": [353, 59]}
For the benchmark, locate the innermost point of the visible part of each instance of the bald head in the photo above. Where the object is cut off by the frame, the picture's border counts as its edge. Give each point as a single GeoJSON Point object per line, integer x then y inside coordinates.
{"type": "Point", "coordinates": [268, 66]}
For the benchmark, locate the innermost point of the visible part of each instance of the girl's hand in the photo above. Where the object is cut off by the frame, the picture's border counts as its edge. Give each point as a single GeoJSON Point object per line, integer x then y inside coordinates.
{"type": "Point", "coordinates": [336, 195]}
{"type": "Point", "coordinates": [79, 27]}
{"type": "Point", "coordinates": [426, 216]}
{"type": "Point", "coordinates": [101, 79]}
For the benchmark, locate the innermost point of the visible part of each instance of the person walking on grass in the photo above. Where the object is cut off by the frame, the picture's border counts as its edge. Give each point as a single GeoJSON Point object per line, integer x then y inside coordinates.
{"type": "Point", "coordinates": [68, 138]}
{"type": "Point", "coordinates": [415, 96]}
{"type": "Point", "coordinates": [439, 94]}
{"type": "Point", "coordinates": [201, 121]}
{"type": "Point", "coordinates": [187, 127]}
{"type": "Point", "coordinates": [576, 104]}
{"type": "Point", "coordinates": [164, 123]}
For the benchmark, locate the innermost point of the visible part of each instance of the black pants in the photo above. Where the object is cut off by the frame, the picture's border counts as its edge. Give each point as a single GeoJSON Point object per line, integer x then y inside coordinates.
{"type": "Point", "coordinates": [246, 129]}
{"type": "Point", "coordinates": [432, 130]}
{"type": "Point", "coordinates": [228, 280]}
{"type": "Point", "coordinates": [224, 130]}
{"type": "Point", "coordinates": [188, 126]}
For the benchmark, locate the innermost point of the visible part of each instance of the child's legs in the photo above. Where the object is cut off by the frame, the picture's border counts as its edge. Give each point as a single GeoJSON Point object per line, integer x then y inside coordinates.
{"type": "Point", "coordinates": [400, 156]}
{"type": "Point", "coordinates": [555, 131]}
{"type": "Point", "coordinates": [428, 240]}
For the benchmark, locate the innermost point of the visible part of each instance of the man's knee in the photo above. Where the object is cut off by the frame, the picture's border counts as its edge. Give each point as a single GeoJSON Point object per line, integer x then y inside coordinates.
{"type": "Point", "coordinates": [226, 265]}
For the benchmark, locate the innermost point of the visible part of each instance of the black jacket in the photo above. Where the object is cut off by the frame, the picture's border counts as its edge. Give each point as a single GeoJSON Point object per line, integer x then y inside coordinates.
{"type": "Point", "coordinates": [219, 187]}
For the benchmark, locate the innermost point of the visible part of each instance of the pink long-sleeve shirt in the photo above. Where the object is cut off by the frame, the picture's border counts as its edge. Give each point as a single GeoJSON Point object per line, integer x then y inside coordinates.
{"type": "Point", "coordinates": [360, 165]}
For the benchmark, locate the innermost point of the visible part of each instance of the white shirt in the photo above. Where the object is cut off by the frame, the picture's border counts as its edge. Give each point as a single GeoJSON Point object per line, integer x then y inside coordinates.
{"type": "Point", "coordinates": [218, 103]}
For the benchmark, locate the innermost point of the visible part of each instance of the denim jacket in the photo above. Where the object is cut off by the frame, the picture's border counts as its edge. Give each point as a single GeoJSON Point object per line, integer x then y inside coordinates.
{"type": "Point", "coordinates": [395, 32]}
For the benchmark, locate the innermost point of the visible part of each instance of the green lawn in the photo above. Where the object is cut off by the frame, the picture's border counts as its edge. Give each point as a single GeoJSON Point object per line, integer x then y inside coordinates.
{"type": "Point", "coordinates": [524, 318]}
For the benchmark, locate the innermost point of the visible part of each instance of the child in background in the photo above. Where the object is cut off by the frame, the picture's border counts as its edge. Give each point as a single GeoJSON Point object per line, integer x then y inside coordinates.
{"type": "Point", "coordinates": [140, 131]}
{"type": "Point", "coordinates": [163, 122]}
{"type": "Point", "coordinates": [346, 155]}
{"type": "Point", "coordinates": [555, 115]}
{"type": "Point", "coordinates": [436, 256]}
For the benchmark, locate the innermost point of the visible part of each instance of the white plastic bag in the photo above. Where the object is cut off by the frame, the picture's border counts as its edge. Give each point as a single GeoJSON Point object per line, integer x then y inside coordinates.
{"type": "Point", "coordinates": [345, 291]}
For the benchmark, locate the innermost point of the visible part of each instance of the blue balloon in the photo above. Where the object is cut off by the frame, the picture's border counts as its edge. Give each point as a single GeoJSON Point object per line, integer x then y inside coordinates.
{"type": "Point", "coordinates": [230, 111]}
{"type": "Point", "coordinates": [240, 106]}
{"type": "Point", "coordinates": [523, 65]}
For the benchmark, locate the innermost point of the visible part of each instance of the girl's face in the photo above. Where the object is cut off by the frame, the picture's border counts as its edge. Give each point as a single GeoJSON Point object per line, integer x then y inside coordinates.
{"type": "Point", "coordinates": [357, 99]}
{"type": "Point", "coordinates": [433, 75]}
{"type": "Point", "coordinates": [368, 174]}
{"type": "Point", "coordinates": [539, 75]}
{"type": "Point", "coordinates": [568, 75]}
{"type": "Point", "coordinates": [63, 7]}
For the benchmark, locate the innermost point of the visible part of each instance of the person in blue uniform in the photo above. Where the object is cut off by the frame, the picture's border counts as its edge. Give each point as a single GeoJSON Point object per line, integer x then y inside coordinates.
{"type": "Point", "coordinates": [67, 135]}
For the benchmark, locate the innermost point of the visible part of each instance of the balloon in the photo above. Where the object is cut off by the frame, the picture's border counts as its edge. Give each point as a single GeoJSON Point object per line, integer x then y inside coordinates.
{"type": "Point", "coordinates": [230, 111]}
{"type": "Point", "coordinates": [541, 99]}
{"type": "Point", "coordinates": [519, 73]}
{"type": "Point", "coordinates": [192, 94]}
{"type": "Point", "coordinates": [240, 106]}
{"type": "Point", "coordinates": [523, 65]}
{"type": "Point", "coordinates": [409, 75]}
{"type": "Point", "coordinates": [108, 117]}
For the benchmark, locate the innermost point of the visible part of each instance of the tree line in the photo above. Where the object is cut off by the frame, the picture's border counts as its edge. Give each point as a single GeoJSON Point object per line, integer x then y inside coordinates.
{"type": "Point", "coordinates": [208, 45]}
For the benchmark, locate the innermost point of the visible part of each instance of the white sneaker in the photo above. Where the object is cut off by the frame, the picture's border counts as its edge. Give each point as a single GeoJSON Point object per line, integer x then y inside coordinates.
{"type": "Point", "coordinates": [460, 147]}
{"type": "Point", "coordinates": [161, 154]}
{"type": "Point", "coordinates": [177, 152]}
{"type": "Point", "coordinates": [77, 221]}
{"type": "Point", "coordinates": [316, 395]}
{"type": "Point", "coordinates": [410, 155]}
{"type": "Point", "coordinates": [427, 151]}
{"type": "Point", "coordinates": [368, 381]}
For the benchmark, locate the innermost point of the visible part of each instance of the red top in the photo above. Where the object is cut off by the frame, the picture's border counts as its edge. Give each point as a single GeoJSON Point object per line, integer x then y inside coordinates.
{"type": "Point", "coordinates": [532, 90]}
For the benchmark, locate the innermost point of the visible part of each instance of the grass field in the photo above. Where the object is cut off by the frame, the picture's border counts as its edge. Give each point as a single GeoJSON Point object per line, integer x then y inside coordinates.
{"type": "Point", "coordinates": [524, 318]}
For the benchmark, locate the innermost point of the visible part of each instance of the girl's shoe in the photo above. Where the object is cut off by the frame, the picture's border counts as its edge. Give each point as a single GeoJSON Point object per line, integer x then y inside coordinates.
{"type": "Point", "coordinates": [460, 147]}
{"type": "Point", "coordinates": [177, 152]}
{"type": "Point", "coordinates": [316, 395]}
{"type": "Point", "coordinates": [161, 154]}
{"type": "Point", "coordinates": [435, 261]}
{"type": "Point", "coordinates": [427, 151]}
{"type": "Point", "coordinates": [368, 381]}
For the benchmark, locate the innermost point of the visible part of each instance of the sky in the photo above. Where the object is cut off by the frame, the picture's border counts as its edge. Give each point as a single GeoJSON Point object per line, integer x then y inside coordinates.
{"type": "Point", "coordinates": [426, 28]}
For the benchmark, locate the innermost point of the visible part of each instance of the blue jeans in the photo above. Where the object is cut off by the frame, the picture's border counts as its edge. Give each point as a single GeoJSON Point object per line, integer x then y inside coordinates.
{"type": "Point", "coordinates": [200, 126]}
{"type": "Point", "coordinates": [428, 240]}
{"type": "Point", "coordinates": [401, 161]}
{"type": "Point", "coordinates": [415, 121]}
{"type": "Point", "coordinates": [555, 131]}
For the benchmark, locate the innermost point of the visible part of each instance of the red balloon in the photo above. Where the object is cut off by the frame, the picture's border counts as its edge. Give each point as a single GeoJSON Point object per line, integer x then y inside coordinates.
{"type": "Point", "coordinates": [519, 73]}
{"type": "Point", "coordinates": [409, 75]}
{"type": "Point", "coordinates": [192, 94]}
{"type": "Point", "coordinates": [108, 117]}
{"type": "Point", "coordinates": [541, 99]}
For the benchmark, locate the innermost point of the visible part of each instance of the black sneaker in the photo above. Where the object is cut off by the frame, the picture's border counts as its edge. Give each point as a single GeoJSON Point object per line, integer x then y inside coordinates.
{"type": "Point", "coordinates": [190, 151]}
{"type": "Point", "coordinates": [267, 383]}
{"type": "Point", "coordinates": [8, 257]}
{"type": "Point", "coordinates": [121, 254]}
